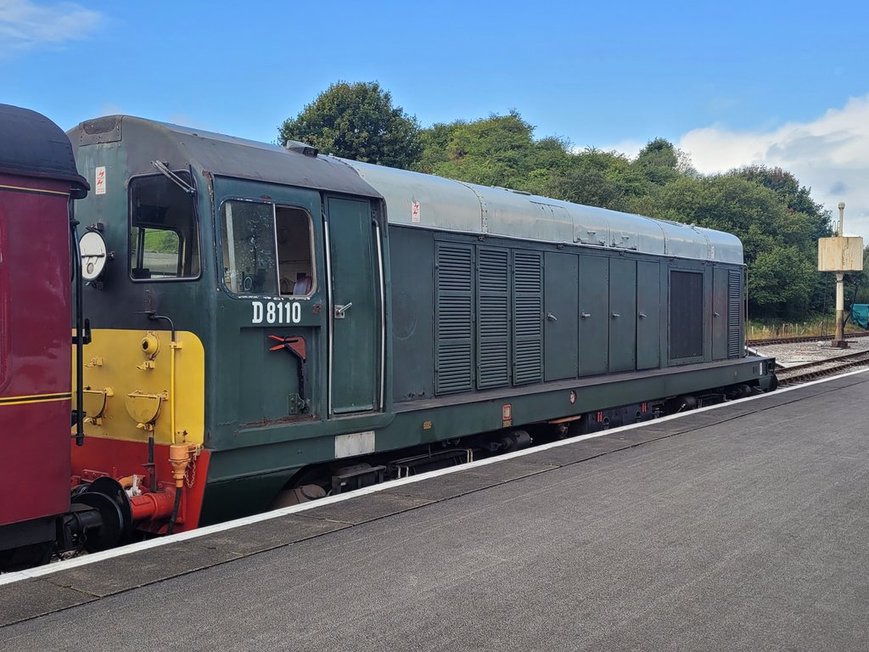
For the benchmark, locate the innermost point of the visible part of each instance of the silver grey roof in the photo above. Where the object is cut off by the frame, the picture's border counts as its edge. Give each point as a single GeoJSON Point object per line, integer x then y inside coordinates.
{"type": "Point", "coordinates": [440, 203]}
{"type": "Point", "coordinates": [427, 201]}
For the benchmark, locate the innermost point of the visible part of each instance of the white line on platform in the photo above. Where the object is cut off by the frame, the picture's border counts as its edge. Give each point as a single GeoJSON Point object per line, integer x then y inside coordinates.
{"type": "Point", "coordinates": [41, 571]}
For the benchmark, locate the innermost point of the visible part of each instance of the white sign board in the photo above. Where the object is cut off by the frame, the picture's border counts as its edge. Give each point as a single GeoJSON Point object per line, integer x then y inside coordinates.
{"type": "Point", "coordinates": [843, 254]}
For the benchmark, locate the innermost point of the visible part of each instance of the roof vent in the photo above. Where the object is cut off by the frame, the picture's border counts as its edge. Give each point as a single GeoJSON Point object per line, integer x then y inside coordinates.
{"type": "Point", "coordinates": [301, 148]}
{"type": "Point", "coordinates": [101, 130]}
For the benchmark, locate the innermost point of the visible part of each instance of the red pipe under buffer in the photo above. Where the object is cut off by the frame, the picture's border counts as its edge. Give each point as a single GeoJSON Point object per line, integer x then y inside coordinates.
{"type": "Point", "coordinates": [153, 505]}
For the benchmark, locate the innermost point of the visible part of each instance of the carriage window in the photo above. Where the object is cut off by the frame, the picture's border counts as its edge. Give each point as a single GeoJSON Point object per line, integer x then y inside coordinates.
{"type": "Point", "coordinates": [267, 249]}
{"type": "Point", "coordinates": [164, 239]}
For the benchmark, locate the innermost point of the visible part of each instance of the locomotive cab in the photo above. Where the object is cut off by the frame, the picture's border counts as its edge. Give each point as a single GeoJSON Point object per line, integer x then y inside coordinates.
{"type": "Point", "coordinates": [235, 290]}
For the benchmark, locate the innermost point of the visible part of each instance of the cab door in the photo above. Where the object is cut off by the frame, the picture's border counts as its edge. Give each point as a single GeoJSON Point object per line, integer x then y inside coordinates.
{"type": "Point", "coordinates": [355, 262]}
{"type": "Point", "coordinates": [269, 312]}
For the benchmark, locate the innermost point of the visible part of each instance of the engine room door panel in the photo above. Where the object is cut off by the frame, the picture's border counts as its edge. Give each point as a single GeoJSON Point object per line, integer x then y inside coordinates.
{"type": "Point", "coordinates": [355, 338]}
{"type": "Point", "coordinates": [648, 315]}
{"type": "Point", "coordinates": [623, 315]}
{"type": "Point", "coordinates": [720, 279]}
{"type": "Point", "coordinates": [593, 315]}
{"type": "Point", "coordinates": [561, 330]}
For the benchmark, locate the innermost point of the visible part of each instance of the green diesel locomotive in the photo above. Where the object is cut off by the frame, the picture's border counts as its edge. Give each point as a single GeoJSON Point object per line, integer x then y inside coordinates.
{"type": "Point", "coordinates": [271, 324]}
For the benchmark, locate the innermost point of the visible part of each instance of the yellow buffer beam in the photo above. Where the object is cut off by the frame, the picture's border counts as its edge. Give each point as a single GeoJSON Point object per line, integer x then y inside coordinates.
{"type": "Point", "coordinates": [139, 382]}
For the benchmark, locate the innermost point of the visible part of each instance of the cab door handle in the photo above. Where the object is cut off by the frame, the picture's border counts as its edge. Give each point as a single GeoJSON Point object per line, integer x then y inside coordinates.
{"type": "Point", "coordinates": [340, 311]}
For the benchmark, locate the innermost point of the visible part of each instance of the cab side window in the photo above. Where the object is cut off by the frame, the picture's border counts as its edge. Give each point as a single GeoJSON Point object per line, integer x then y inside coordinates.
{"type": "Point", "coordinates": [249, 247]}
{"type": "Point", "coordinates": [267, 249]}
{"type": "Point", "coordinates": [164, 238]}
{"type": "Point", "coordinates": [295, 244]}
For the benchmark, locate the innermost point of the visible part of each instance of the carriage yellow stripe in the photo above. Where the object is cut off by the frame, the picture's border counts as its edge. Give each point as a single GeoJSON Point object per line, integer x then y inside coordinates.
{"type": "Point", "coordinates": [39, 191]}
{"type": "Point", "coordinates": [34, 398]}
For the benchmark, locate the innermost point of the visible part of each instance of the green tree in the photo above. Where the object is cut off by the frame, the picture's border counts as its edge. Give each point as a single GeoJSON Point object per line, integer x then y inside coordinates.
{"type": "Point", "coordinates": [162, 241]}
{"type": "Point", "coordinates": [661, 162]}
{"type": "Point", "coordinates": [796, 198]}
{"type": "Point", "coordinates": [597, 178]}
{"type": "Point", "coordinates": [611, 180]}
{"type": "Point", "coordinates": [357, 121]}
{"type": "Point", "coordinates": [435, 142]}
{"type": "Point", "coordinates": [549, 157]}
{"type": "Point", "coordinates": [494, 151]}
{"type": "Point", "coordinates": [857, 283]}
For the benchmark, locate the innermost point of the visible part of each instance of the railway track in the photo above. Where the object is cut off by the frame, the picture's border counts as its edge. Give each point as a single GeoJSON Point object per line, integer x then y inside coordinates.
{"type": "Point", "coordinates": [811, 370]}
{"type": "Point", "coordinates": [800, 338]}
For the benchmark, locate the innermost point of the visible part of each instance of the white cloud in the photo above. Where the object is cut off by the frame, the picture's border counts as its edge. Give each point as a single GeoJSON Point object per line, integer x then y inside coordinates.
{"type": "Point", "coordinates": [829, 154]}
{"type": "Point", "coordinates": [25, 24]}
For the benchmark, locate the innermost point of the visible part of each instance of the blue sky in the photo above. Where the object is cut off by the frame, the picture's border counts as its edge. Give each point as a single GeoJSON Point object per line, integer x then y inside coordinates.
{"type": "Point", "coordinates": [731, 83]}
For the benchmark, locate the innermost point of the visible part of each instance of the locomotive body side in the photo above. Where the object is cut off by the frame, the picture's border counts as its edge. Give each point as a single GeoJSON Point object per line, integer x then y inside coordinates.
{"type": "Point", "coordinates": [335, 323]}
{"type": "Point", "coordinates": [478, 348]}
{"type": "Point", "coordinates": [510, 304]}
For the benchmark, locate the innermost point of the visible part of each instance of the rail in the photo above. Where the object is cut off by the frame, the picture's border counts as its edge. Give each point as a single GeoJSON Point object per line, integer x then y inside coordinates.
{"type": "Point", "coordinates": [800, 338]}
{"type": "Point", "coordinates": [811, 370]}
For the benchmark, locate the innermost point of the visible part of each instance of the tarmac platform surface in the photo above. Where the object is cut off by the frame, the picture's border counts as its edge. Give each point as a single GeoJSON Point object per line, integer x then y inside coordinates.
{"type": "Point", "coordinates": [742, 527]}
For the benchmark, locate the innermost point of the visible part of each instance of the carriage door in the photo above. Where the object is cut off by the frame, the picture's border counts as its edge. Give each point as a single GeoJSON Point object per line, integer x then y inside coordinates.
{"type": "Point", "coordinates": [355, 303]}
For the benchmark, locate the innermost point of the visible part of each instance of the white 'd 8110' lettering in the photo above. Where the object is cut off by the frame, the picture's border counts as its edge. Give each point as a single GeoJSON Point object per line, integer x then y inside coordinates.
{"type": "Point", "coordinates": [276, 312]}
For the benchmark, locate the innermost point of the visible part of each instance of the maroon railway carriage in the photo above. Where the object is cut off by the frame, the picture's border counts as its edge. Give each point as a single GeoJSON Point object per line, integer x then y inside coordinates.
{"type": "Point", "coordinates": [38, 180]}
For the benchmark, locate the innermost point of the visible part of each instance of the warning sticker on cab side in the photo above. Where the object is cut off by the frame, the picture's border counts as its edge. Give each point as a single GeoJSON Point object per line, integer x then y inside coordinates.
{"type": "Point", "coordinates": [100, 180]}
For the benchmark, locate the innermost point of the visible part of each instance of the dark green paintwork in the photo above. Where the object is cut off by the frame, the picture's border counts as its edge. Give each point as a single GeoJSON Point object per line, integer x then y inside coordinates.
{"type": "Point", "coordinates": [648, 315]}
{"type": "Point", "coordinates": [528, 315]}
{"type": "Point", "coordinates": [719, 313]}
{"type": "Point", "coordinates": [493, 350]}
{"type": "Point", "coordinates": [258, 437]}
{"type": "Point", "coordinates": [355, 344]}
{"type": "Point", "coordinates": [623, 314]}
{"type": "Point", "coordinates": [412, 273]}
{"type": "Point", "coordinates": [593, 315]}
{"type": "Point", "coordinates": [240, 351]}
{"type": "Point", "coordinates": [561, 328]}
